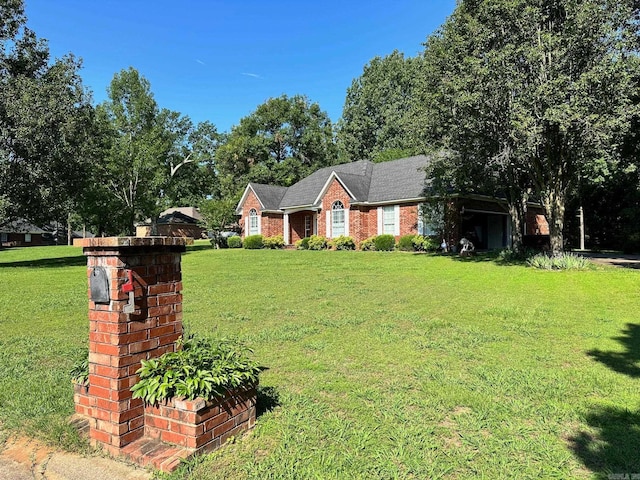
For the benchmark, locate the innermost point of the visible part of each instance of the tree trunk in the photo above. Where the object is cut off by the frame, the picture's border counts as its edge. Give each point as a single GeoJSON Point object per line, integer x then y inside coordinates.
{"type": "Point", "coordinates": [133, 221]}
{"type": "Point", "coordinates": [554, 204]}
{"type": "Point", "coordinates": [154, 225]}
{"type": "Point", "coordinates": [516, 227]}
{"type": "Point", "coordinates": [517, 205]}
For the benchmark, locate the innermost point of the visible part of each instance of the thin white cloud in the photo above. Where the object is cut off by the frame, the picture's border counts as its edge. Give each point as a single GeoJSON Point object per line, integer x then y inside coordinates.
{"type": "Point", "coordinates": [200, 62]}
{"type": "Point", "coordinates": [254, 75]}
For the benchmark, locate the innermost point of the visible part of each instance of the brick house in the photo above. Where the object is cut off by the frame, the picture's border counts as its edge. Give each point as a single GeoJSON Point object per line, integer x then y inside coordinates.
{"type": "Point", "coordinates": [362, 199]}
{"type": "Point", "coordinates": [21, 233]}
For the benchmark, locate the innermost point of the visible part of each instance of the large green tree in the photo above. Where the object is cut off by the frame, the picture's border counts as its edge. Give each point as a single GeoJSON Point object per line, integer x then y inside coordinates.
{"type": "Point", "coordinates": [375, 121]}
{"type": "Point", "coordinates": [155, 157]}
{"type": "Point", "coordinates": [532, 94]}
{"type": "Point", "coordinates": [284, 140]}
{"type": "Point", "coordinates": [46, 124]}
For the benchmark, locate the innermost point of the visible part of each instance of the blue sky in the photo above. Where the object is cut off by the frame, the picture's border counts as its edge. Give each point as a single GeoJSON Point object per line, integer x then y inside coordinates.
{"type": "Point", "coordinates": [218, 61]}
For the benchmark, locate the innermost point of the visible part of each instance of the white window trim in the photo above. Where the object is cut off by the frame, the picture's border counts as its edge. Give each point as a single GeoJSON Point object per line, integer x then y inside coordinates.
{"type": "Point", "coordinates": [248, 222]}
{"type": "Point", "coordinates": [345, 218]}
{"type": "Point", "coordinates": [396, 220]}
{"type": "Point", "coordinates": [27, 238]}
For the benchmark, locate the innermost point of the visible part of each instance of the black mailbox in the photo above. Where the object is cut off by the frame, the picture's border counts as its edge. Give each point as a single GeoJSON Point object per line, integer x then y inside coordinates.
{"type": "Point", "coordinates": [99, 285]}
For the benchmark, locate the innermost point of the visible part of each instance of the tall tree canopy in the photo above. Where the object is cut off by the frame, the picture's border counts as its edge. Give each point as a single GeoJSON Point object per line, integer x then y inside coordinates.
{"type": "Point", "coordinates": [155, 157]}
{"type": "Point", "coordinates": [375, 121]}
{"type": "Point", "coordinates": [284, 140]}
{"type": "Point", "coordinates": [531, 94]}
{"type": "Point", "coordinates": [46, 124]}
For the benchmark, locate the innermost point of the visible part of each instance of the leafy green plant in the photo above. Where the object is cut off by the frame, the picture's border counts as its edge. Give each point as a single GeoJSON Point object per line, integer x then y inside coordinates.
{"type": "Point", "coordinates": [425, 244]}
{"type": "Point", "coordinates": [199, 368]}
{"type": "Point", "coordinates": [407, 243]}
{"type": "Point", "coordinates": [80, 371]}
{"type": "Point", "coordinates": [303, 244]}
{"type": "Point", "coordinates": [318, 242]}
{"type": "Point", "coordinates": [344, 243]}
{"type": "Point", "coordinates": [385, 242]}
{"type": "Point", "coordinates": [253, 242]}
{"type": "Point", "coordinates": [277, 241]}
{"type": "Point", "coordinates": [368, 244]}
{"type": "Point", "coordinates": [564, 261]}
{"type": "Point", "coordinates": [234, 242]}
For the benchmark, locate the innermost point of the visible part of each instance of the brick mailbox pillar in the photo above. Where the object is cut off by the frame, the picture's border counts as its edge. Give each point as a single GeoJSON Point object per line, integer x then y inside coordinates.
{"type": "Point", "coordinates": [118, 341]}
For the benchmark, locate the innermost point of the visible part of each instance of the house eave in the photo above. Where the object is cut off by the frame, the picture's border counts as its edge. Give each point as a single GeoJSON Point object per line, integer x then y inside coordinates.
{"type": "Point", "coordinates": [390, 202]}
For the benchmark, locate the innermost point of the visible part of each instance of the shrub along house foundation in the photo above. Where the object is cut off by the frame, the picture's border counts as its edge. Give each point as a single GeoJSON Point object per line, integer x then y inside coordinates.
{"type": "Point", "coordinates": [135, 314]}
{"type": "Point", "coordinates": [363, 199]}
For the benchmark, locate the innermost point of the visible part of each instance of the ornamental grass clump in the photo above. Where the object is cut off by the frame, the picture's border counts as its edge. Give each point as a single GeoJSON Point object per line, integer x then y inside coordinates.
{"type": "Point", "coordinates": [563, 261]}
{"type": "Point", "coordinates": [199, 368]}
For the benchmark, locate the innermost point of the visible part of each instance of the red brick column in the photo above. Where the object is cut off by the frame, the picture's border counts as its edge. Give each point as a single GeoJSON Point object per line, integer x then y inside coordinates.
{"type": "Point", "coordinates": [118, 341]}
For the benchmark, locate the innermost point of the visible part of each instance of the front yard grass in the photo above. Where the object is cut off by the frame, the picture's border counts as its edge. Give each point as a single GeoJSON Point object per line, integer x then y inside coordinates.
{"type": "Point", "coordinates": [381, 365]}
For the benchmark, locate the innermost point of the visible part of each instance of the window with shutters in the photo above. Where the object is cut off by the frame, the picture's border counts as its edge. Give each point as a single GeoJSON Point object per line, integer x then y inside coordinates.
{"type": "Point", "coordinates": [337, 219]}
{"type": "Point", "coordinates": [254, 228]}
{"type": "Point", "coordinates": [389, 219]}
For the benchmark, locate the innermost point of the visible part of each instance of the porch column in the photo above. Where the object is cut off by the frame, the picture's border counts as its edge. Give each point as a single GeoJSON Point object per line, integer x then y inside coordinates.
{"type": "Point", "coordinates": [286, 229]}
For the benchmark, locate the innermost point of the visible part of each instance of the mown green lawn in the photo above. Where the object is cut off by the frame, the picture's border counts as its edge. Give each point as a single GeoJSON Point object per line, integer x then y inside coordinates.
{"type": "Point", "coordinates": [380, 365]}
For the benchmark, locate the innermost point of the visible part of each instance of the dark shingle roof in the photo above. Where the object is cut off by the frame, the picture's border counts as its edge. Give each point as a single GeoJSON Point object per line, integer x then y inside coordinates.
{"type": "Point", "coordinates": [307, 190]}
{"type": "Point", "coordinates": [20, 226]}
{"type": "Point", "coordinates": [176, 217]}
{"type": "Point", "coordinates": [269, 195]}
{"type": "Point", "coordinates": [398, 179]}
{"type": "Point", "coordinates": [368, 182]}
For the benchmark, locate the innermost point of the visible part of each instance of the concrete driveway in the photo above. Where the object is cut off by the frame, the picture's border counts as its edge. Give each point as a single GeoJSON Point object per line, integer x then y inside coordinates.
{"type": "Point", "coordinates": [614, 259]}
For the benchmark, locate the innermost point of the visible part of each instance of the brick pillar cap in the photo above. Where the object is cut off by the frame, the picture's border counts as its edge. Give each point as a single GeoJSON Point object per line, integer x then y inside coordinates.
{"type": "Point", "coordinates": [98, 242]}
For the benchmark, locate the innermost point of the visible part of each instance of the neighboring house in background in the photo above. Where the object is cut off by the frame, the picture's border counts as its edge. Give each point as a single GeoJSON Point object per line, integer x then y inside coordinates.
{"type": "Point", "coordinates": [175, 222]}
{"type": "Point", "coordinates": [363, 199]}
{"type": "Point", "coordinates": [21, 233]}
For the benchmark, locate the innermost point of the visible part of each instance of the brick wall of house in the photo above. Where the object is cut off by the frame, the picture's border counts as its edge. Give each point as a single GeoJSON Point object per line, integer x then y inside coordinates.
{"type": "Point", "coordinates": [18, 240]}
{"type": "Point", "coordinates": [250, 202]}
{"type": "Point", "coordinates": [334, 193]}
{"type": "Point", "coordinates": [408, 219]}
{"type": "Point", "coordinates": [270, 223]}
{"type": "Point", "coordinates": [359, 223]}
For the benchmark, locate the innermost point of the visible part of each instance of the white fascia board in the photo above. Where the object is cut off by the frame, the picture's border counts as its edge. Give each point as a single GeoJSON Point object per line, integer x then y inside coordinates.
{"type": "Point", "coordinates": [333, 175]}
{"type": "Point", "coordinates": [244, 197]}
{"type": "Point", "coordinates": [392, 202]}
